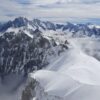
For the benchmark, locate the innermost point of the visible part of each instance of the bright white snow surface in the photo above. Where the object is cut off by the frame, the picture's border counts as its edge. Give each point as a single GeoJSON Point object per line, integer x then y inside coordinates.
{"type": "Point", "coordinates": [73, 76]}
{"type": "Point", "coordinates": [16, 30]}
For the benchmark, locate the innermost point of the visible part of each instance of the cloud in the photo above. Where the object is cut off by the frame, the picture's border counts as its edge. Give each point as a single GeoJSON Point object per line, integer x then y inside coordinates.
{"type": "Point", "coordinates": [90, 1]}
{"type": "Point", "coordinates": [54, 10]}
{"type": "Point", "coordinates": [22, 1]}
{"type": "Point", "coordinates": [43, 2]}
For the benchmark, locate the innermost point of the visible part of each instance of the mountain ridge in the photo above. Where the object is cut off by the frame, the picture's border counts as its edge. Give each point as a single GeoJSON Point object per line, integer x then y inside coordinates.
{"type": "Point", "coordinates": [77, 30]}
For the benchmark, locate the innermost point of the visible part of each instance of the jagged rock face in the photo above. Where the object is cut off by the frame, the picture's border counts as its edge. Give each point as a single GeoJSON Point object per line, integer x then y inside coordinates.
{"type": "Point", "coordinates": [26, 49]}
{"type": "Point", "coordinates": [77, 30]}
{"type": "Point", "coordinates": [33, 91]}
{"type": "Point", "coordinates": [21, 53]}
{"type": "Point", "coordinates": [29, 91]}
{"type": "Point", "coordinates": [18, 22]}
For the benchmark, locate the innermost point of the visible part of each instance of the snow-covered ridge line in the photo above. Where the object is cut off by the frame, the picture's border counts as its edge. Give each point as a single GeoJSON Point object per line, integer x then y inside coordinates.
{"type": "Point", "coordinates": [75, 30]}
{"type": "Point", "coordinates": [18, 30]}
{"type": "Point", "coordinates": [71, 75]}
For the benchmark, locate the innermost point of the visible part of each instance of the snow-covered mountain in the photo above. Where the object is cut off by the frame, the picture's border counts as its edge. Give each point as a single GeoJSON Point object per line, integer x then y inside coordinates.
{"type": "Point", "coordinates": [23, 50]}
{"type": "Point", "coordinates": [75, 30]}
{"type": "Point", "coordinates": [73, 76]}
{"type": "Point", "coordinates": [59, 49]}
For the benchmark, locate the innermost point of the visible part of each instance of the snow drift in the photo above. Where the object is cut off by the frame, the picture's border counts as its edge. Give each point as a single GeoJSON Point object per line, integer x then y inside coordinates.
{"type": "Point", "coordinates": [73, 76]}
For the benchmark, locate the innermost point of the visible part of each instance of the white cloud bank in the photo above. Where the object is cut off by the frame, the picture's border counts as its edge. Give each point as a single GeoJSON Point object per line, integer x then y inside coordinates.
{"type": "Point", "coordinates": [55, 10]}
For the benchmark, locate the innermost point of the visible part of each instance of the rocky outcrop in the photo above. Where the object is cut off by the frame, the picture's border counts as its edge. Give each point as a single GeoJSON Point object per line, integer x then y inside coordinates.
{"type": "Point", "coordinates": [21, 53]}
{"type": "Point", "coordinates": [29, 91]}
{"type": "Point", "coordinates": [34, 91]}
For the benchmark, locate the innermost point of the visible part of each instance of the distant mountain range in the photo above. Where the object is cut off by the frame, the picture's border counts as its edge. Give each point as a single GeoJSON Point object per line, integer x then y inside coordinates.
{"type": "Point", "coordinates": [75, 30]}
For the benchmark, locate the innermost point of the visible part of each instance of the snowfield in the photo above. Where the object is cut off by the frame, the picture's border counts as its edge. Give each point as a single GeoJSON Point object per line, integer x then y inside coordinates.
{"type": "Point", "coordinates": [73, 76]}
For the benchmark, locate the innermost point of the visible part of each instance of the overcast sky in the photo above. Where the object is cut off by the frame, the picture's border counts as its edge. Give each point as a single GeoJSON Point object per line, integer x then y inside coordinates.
{"type": "Point", "coordinates": [53, 10]}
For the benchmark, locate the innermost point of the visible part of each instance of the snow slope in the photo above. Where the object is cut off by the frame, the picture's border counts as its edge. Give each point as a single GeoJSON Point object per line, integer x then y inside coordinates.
{"type": "Point", "coordinates": [58, 36]}
{"type": "Point", "coordinates": [17, 30]}
{"type": "Point", "coordinates": [73, 76]}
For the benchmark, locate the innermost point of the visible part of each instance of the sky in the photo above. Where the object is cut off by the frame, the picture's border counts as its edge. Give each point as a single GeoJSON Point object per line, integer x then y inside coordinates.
{"type": "Point", "coordinates": [75, 11]}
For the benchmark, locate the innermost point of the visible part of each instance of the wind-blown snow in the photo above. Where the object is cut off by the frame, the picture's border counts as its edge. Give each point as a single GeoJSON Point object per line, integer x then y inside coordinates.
{"type": "Point", "coordinates": [73, 76]}
{"type": "Point", "coordinates": [31, 27]}
{"type": "Point", "coordinates": [28, 34]}
{"type": "Point", "coordinates": [15, 30]}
